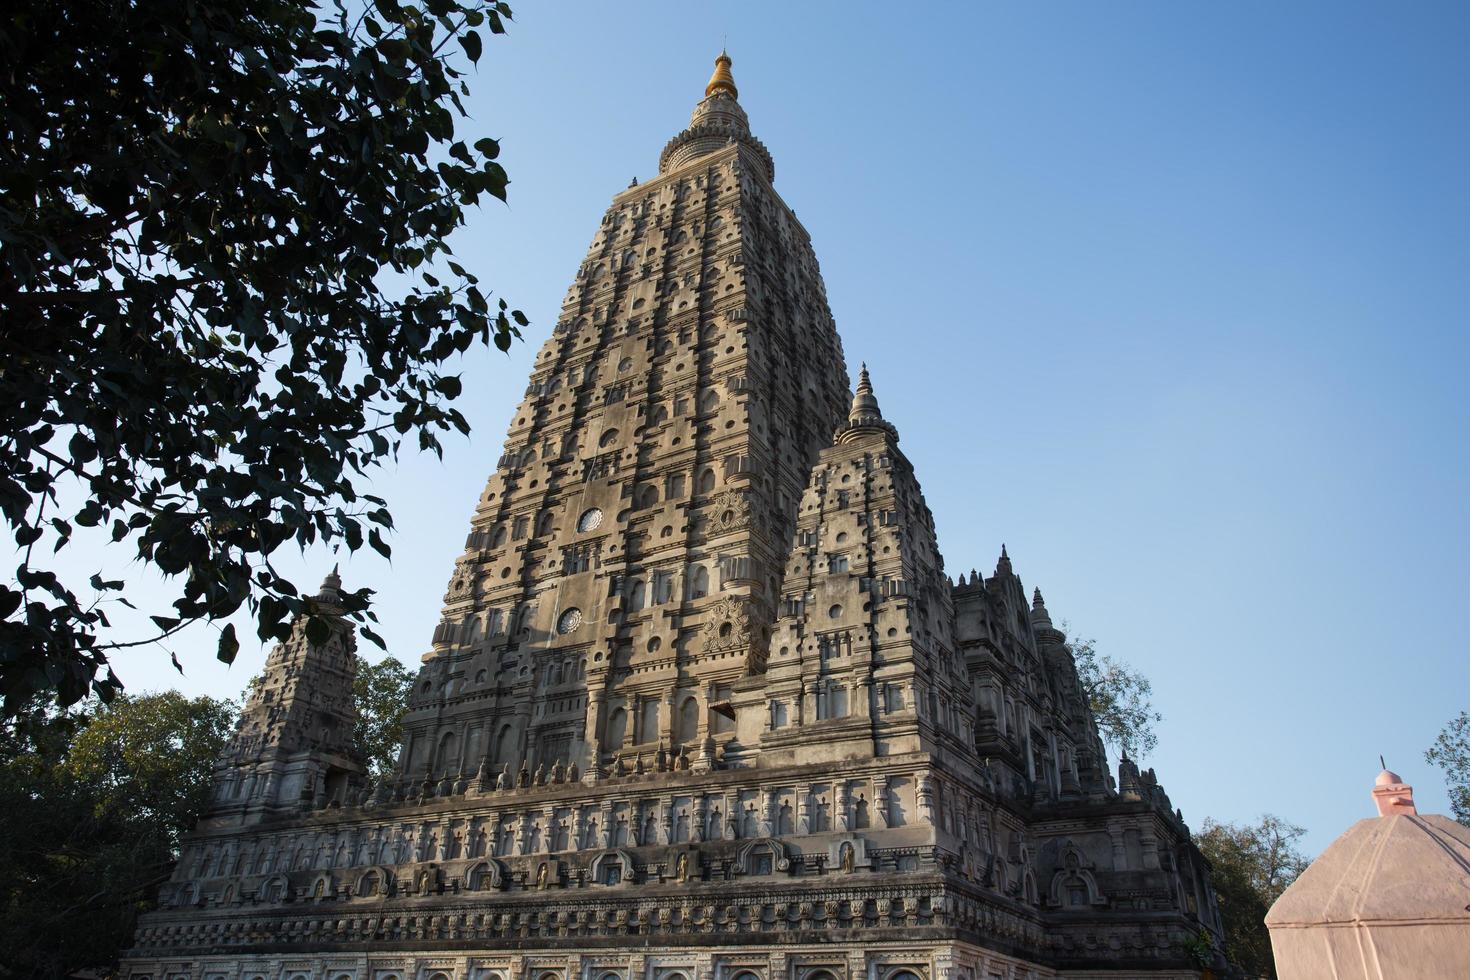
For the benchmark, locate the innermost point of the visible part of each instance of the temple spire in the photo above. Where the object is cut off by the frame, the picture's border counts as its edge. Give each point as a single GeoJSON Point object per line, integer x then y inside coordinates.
{"type": "Point", "coordinates": [864, 402]}
{"type": "Point", "coordinates": [331, 590]}
{"type": "Point", "coordinates": [864, 417]}
{"type": "Point", "coordinates": [722, 80]}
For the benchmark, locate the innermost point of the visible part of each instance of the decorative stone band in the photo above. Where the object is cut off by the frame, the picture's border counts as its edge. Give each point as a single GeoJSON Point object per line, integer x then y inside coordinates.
{"type": "Point", "coordinates": [706, 138]}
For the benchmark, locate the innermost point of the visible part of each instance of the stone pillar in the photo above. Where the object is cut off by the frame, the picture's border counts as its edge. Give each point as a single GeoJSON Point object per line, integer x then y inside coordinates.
{"type": "Point", "coordinates": [579, 826]}
{"type": "Point", "coordinates": [844, 805]}
{"type": "Point", "coordinates": [523, 834]}
{"type": "Point", "coordinates": [592, 733]}
{"type": "Point", "coordinates": [605, 824]}
{"type": "Point", "coordinates": [698, 815]}
{"type": "Point", "coordinates": [1150, 850]}
{"type": "Point", "coordinates": [925, 797]}
{"type": "Point", "coordinates": [804, 811]}
{"type": "Point", "coordinates": [666, 718]}
{"type": "Point", "coordinates": [880, 802]}
{"type": "Point", "coordinates": [1120, 852]}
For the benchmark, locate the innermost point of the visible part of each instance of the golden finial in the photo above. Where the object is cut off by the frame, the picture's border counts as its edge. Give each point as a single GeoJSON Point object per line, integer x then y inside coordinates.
{"type": "Point", "coordinates": [722, 80]}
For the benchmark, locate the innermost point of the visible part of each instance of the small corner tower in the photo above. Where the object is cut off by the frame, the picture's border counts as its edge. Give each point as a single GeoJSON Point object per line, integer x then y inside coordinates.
{"type": "Point", "coordinates": [295, 746]}
{"type": "Point", "coordinates": [863, 656]}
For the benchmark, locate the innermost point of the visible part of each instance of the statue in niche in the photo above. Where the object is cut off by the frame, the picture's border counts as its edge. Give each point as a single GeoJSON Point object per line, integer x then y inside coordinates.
{"type": "Point", "coordinates": [541, 875]}
{"type": "Point", "coordinates": [847, 856]}
{"type": "Point", "coordinates": [558, 773]}
{"type": "Point", "coordinates": [681, 867]}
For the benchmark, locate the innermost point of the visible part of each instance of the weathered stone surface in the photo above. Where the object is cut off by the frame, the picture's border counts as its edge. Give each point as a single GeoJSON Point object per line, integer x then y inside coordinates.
{"type": "Point", "coordinates": [702, 689]}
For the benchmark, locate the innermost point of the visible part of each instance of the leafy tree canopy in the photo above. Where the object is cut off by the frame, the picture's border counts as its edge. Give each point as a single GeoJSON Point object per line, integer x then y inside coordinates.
{"type": "Point", "coordinates": [94, 805]}
{"type": "Point", "coordinates": [227, 295]}
{"type": "Point", "coordinates": [1121, 699]}
{"type": "Point", "coordinates": [1451, 752]}
{"type": "Point", "coordinates": [1250, 865]}
{"type": "Point", "coordinates": [381, 692]}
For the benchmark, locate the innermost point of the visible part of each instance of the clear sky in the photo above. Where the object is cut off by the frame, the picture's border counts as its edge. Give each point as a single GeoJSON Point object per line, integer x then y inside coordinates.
{"type": "Point", "coordinates": [1170, 298]}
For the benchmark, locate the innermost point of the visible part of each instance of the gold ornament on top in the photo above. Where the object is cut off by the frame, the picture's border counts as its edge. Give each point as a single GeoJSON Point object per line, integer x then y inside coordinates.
{"type": "Point", "coordinates": [722, 80]}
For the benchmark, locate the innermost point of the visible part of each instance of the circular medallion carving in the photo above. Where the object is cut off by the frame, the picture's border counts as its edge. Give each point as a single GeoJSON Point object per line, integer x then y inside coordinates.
{"type": "Point", "coordinates": [590, 520]}
{"type": "Point", "coordinates": [569, 621]}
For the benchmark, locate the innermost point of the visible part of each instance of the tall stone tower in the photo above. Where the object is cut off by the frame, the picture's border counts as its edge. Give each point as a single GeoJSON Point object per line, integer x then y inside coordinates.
{"type": "Point", "coordinates": [624, 564]}
{"type": "Point", "coordinates": [703, 703]}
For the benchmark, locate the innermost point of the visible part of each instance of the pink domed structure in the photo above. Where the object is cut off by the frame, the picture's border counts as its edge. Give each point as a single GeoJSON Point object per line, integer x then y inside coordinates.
{"type": "Point", "coordinates": [1389, 898]}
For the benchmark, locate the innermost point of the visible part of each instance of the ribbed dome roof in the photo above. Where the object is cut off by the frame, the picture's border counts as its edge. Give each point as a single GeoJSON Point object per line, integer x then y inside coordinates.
{"type": "Point", "coordinates": [1400, 868]}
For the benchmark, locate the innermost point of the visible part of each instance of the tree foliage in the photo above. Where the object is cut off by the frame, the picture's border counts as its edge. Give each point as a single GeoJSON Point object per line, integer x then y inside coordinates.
{"type": "Point", "coordinates": [93, 808]}
{"type": "Point", "coordinates": [227, 295]}
{"type": "Point", "coordinates": [1451, 752]}
{"type": "Point", "coordinates": [1250, 865]}
{"type": "Point", "coordinates": [1121, 699]}
{"type": "Point", "coordinates": [381, 693]}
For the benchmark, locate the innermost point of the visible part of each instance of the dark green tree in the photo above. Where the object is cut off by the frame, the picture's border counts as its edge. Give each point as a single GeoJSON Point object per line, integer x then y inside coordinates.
{"type": "Point", "coordinates": [94, 807]}
{"type": "Point", "coordinates": [381, 692]}
{"type": "Point", "coordinates": [1451, 752]}
{"type": "Point", "coordinates": [1250, 865]}
{"type": "Point", "coordinates": [1121, 699]}
{"type": "Point", "coordinates": [226, 295]}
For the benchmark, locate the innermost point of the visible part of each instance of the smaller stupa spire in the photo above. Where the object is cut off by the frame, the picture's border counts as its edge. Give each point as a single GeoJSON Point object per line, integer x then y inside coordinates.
{"type": "Point", "coordinates": [864, 402]}
{"type": "Point", "coordinates": [864, 418]}
{"type": "Point", "coordinates": [1041, 619]}
{"type": "Point", "coordinates": [722, 80]}
{"type": "Point", "coordinates": [331, 590]}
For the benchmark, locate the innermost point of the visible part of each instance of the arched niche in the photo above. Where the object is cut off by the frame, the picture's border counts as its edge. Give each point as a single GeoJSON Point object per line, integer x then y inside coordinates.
{"type": "Point", "coordinates": [484, 875]}
{"type": "Point", "coordinates": [764, 856]}
{"type": "Point", "coordinates": [611, 868]}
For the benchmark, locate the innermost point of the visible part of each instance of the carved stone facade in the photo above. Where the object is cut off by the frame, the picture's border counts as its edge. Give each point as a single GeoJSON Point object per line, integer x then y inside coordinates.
{"type": "Point", "coordinates": [702, 690]}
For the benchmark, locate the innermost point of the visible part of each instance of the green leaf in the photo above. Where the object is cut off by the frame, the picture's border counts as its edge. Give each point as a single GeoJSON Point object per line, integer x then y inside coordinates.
{"type": "Point", "coordinates": [318, 632]}
{"type": "Point", "coordinates": [470, 41]}
{"type": "Point", "coordinates": [229, 644]}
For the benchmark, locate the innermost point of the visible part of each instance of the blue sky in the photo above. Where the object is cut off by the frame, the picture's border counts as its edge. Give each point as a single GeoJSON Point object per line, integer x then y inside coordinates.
{"type": "Point", "coordinates": [1169, 298]}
